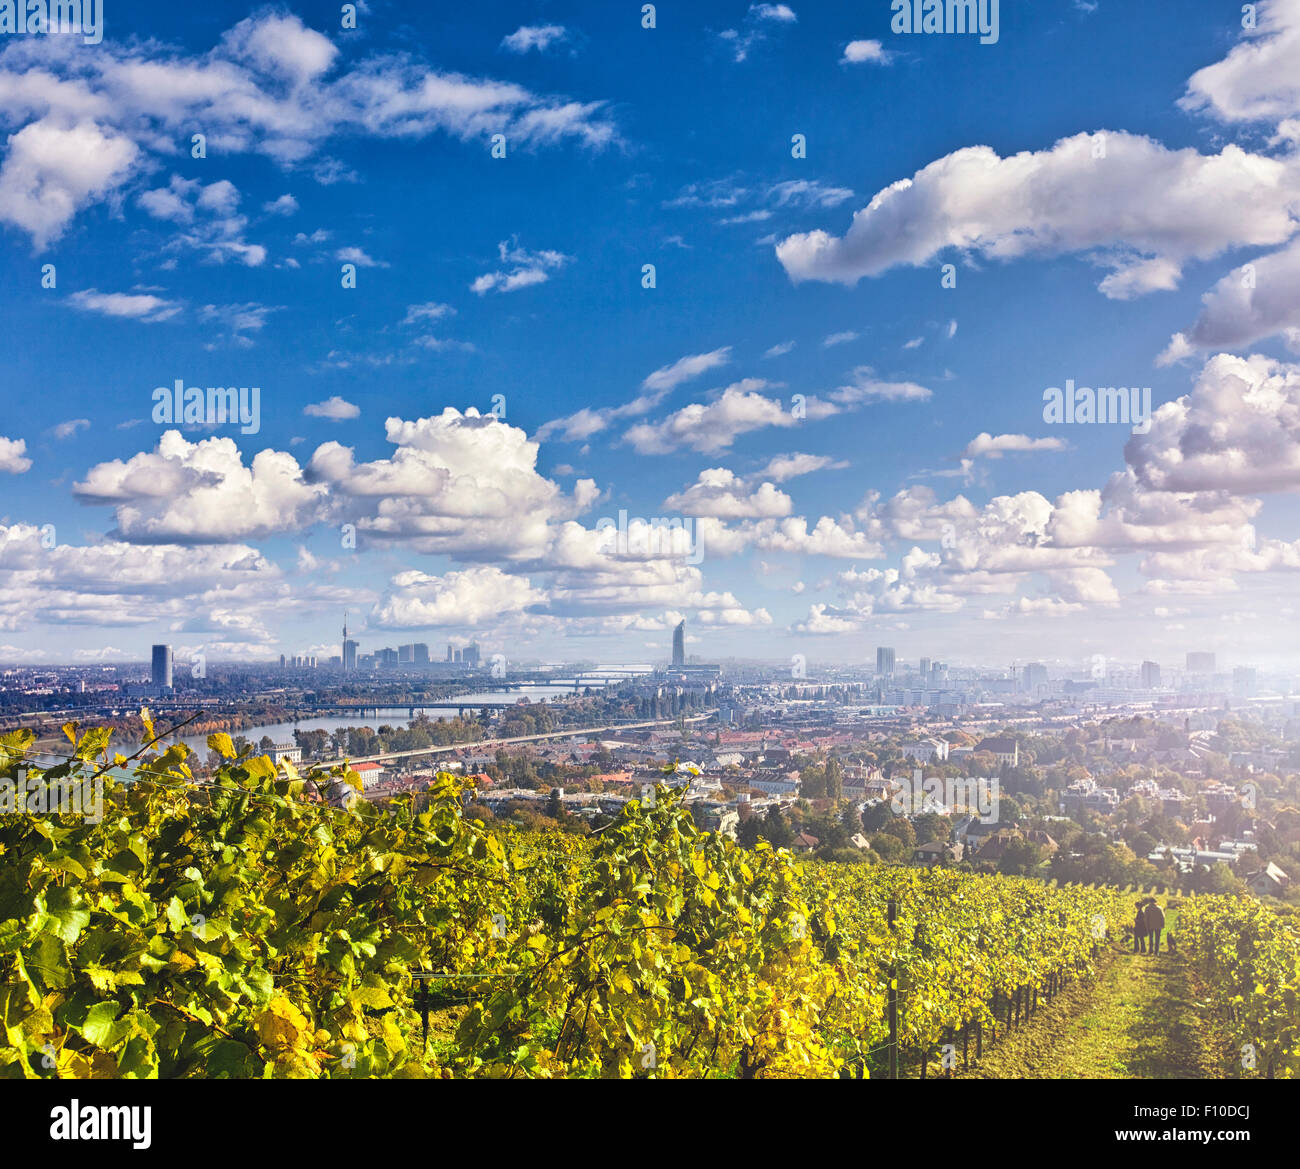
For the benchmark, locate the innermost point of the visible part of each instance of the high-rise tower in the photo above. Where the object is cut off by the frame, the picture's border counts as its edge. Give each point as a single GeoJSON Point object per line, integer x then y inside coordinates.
{"type": "Point", "coordinates": [679, 645]}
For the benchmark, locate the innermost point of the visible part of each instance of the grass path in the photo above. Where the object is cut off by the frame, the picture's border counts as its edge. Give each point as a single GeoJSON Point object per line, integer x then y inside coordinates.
{"type": "Point", "coordinates": [1138, 1019]}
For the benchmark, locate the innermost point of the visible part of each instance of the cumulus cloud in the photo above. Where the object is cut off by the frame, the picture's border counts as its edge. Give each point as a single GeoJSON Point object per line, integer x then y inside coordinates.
{"type": "Point", "coordinates": [1259, 80]}
{"type": "Point", "coordinates": [1136, 207]}
{"type": "Point", "coordinates": [13, 460]}
{"type": "Point", "coordinates": [207, 219]}
{"type": "Point", "coordinates": [461, 484]}
{"type": "Point", "coordinates": [722, 493]}
{"type": "Point", "coordinates": [112, 583]}
{"type": "Point", "coordinates": [866, 52]}
{"type": "Point", "coordinates": [714, 426]}
{"type": "Point", "coordinates": [89, 123]}
{"type": "Point", "coordinates": [483, 594]}
{"type": "Point", "coordinates": [1238, 431]}
{"type": "Point", "coordinates": [201, 493]}
{"type": "Point", "coordinates": [336, 409]}
{"type": "Point", "coordinates": [1257, 300]}
{"type": "Point", "coordinates": [53, 169]}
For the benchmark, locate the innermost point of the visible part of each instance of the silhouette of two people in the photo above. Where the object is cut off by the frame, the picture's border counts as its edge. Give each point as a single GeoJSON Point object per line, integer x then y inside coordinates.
{"type": "Point", "coordinates": [1148, 925]}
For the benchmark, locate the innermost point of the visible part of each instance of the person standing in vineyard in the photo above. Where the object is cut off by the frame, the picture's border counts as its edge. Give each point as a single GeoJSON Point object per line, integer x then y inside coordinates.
{"type": "Point", "coordinates": [1154, 918]}
{"type": "Point", "coordinates": [1140, 929]}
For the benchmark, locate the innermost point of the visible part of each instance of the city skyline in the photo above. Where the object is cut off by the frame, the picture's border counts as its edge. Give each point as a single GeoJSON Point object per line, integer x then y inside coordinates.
{"type": "Point", "coordinates": [471, 296]}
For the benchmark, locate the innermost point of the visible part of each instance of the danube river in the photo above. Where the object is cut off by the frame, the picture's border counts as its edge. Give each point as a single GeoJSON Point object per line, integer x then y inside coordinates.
{"type": "Point", "coordinates": [393, 716]}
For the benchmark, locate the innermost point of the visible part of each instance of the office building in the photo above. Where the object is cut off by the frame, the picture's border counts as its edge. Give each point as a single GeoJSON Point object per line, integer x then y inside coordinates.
{"type": "Point", "coordinates": [1033, 678]}
{"type": "Point", "coordinates": [679, 645]}
{"type": "Point", "coordinates": [421, 653]}
{"type": "Point", "coordinates": [162, 667]}
{"type": "Point", "coordinates": [1150, 676]}
{"type": "Point", "coordinates": [885, 661]}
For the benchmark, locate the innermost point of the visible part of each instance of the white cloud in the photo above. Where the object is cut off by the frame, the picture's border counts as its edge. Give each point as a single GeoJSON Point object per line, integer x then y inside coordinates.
{"type": "Point", "coordinates": [69, 428]}
{"type": "Point", "coordinates": [336, 409]}
{"type": "Point", "coordinates": [284, 205]}
{"type": "Point", "coordinates": [89, 123]}
{"type": "Point", "coordinates": [238, 320]}
{"type": "Point", "coordinates": [539, 37]}
{"type": "Point", "coordinates": [1238, 431]}
{"type": "Point", "coordinates": [723, 494]}
{"type": "Point", "coordinates": [780, 13]}
{"type": "Point", "coordinates": [525, 269]}
{"type": "Point", "coordinates": [12, 456]}
{"type": "Point", "coordinates": [1259, 80]}
{"type": "Point", "coordinates": [995, 446]}
{"type": "Point", "coordinates": [201, 493]}
{"type": "Point", "coordinates": [480, 595]}
{"type": "Point", "coordinates": [785, 467]}
{"type": "Point", "coordinates": [52, 170]}
{"type": "Point", "coordinates": [207, 217]}
{"type": "Point", "coordinates": [1136, 207]}
{"type": "Point", "coordinates": [134, 306]}
{"type": "Point", "coordinates": [712, 427]}
{"type": "Point", "coordinates": [685, 369]}
{"type": "Point", "coordinates": [658, 385]}
{"type": "Point", "coordinates": [430, 311]}
{"type": "Point", "coordinates": [866, 52]}
{"type": "Point", "coordinates": [359, 257]}
{"type": "Point", "coordinates": [1257, 300]}
{"type": "Point", "coordinates": [866, 387]}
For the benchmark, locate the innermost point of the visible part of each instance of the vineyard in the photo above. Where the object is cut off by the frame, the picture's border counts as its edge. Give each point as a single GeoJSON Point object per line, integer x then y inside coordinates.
{"type": "Point", "coordinates": [247, 928]}
{"type": "Point", "coordinates": [1250, 958]}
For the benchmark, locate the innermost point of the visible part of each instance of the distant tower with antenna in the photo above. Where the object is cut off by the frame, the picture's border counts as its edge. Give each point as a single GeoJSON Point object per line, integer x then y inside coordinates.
{"type": "Point", "coordinates": [349, 647]}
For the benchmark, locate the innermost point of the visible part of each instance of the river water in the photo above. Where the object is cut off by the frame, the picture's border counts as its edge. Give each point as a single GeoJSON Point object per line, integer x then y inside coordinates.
{"type": "Point", "coordinates": [393, 716]}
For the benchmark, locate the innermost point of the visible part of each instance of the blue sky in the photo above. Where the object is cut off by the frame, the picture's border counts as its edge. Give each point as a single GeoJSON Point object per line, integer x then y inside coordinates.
{"type": "Point", "coordinates": [1098, 178]}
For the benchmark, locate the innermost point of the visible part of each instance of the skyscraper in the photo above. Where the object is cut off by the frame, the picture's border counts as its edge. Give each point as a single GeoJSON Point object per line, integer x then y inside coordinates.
{"type": "Point", "coordinates": [349, 648]}
{"type": "Point", "coordinates": [1150, 676]}
{"type": "Point", "coordinates": [1033, 677]}
{"type": "Point", "coordinates": [679, 645]}
{"type": "Point", "coordinates": [421, 653]}
{"type": "Point", "coordinates": [885, 661]}
{"type": "Point", "coordinates": [162, 667]}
